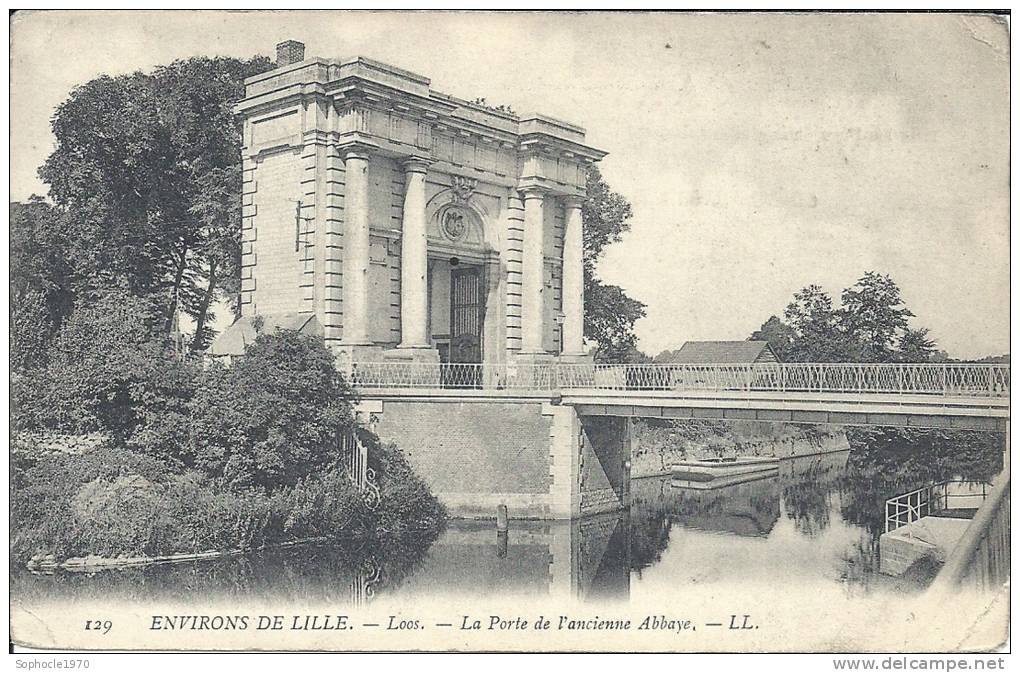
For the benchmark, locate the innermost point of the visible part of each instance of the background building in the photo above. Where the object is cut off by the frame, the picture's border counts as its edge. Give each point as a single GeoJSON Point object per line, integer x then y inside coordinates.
{"type": "Point", "coordinates": [720, 353]}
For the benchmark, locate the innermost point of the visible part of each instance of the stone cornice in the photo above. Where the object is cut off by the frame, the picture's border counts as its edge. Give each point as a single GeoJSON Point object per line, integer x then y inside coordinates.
{"type": "Point", "coordinates": [542, 143]}
{"type": "Point", "coordinates": [548, 186]}
{"type": "Point", "coordinates": [357, 149]}
{"type": "Point", "coordinates": [367, 88]}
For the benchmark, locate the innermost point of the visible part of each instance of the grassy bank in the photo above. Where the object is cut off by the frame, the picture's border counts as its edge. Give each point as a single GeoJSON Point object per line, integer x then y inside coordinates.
{"type": "Point", "coordinates": [115, 502]}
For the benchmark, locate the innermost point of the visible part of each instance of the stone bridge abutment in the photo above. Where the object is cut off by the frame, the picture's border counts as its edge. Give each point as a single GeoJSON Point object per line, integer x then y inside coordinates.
{"type": "Point", "coordinates": [542, 460]}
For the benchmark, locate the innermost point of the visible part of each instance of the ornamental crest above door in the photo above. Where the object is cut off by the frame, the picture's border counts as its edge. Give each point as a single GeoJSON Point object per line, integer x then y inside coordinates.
{"type": "Point", "coordinates": [462, 188]}
{"type": "Point", "coordinates": [458, 225]}
{"type": "Point", "coordinates": [454, 225]}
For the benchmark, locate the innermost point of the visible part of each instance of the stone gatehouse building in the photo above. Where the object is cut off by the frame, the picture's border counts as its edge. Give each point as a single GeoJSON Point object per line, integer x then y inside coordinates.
{"type": "Point", "coordinates": [412, 225]}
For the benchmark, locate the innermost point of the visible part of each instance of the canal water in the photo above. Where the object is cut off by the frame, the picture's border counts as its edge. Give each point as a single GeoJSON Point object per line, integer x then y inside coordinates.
{"type": "Point", "coordinates": [795, 553]}
{"type": "Point", "coordinates": [813, 527]}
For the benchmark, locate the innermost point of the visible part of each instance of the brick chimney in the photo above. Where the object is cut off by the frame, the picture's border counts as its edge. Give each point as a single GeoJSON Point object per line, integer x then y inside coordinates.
{"type": "Point", "coordinates": [289, 52]}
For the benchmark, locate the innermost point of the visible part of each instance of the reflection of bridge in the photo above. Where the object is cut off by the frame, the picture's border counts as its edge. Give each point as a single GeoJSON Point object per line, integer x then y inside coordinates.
{"type": "Point", "coordinates": [587, 559]}
{"type": "Point", "coordinates": [965, 396]}
{"type": "Point", "coordinates": [554, 440]}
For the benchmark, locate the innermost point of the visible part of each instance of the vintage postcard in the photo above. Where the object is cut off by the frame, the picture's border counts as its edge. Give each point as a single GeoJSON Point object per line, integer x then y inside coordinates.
{"type": "Point", "coordinates": [509, 331]}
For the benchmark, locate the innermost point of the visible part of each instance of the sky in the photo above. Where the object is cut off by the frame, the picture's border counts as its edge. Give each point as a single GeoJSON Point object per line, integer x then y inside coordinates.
{"type": "Point", "coordinates": [761, 152]}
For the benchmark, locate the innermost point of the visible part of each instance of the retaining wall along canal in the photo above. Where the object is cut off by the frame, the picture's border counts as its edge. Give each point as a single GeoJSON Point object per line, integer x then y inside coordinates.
{"type": "Point", "coordinates": [540, 459]}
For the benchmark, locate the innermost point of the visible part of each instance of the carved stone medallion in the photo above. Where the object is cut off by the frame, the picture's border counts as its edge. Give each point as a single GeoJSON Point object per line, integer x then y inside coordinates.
{"type": "Point", "coordinates": [454, 225]}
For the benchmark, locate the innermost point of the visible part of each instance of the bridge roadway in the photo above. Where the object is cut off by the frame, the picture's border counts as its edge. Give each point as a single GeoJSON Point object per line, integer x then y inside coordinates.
{"type": "Point", "coordinates": [896, 410]}
{"type": "Point", "coordinates": [953, 396]}
{"type": "Point", "coordinates": [915, 411]}
{"type": "Point", "coordinates": [554, 440]}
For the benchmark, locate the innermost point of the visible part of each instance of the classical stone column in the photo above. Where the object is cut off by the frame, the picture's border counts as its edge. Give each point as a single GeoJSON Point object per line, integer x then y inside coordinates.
{"type": "Point", "coordinates": [532, 273]}
{"type": "Point", "coordinates": [573, 278]}
{"type": "Point", "coordinates": [356, 248]}
{"type": "Point", "coordinates": [414, 258]}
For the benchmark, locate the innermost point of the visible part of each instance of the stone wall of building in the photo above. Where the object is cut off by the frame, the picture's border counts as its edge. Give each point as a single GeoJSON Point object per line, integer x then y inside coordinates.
{"type": "Point", "coordinates": [272, 188]}
{"type": "Point", "coordinates": [306, 121]}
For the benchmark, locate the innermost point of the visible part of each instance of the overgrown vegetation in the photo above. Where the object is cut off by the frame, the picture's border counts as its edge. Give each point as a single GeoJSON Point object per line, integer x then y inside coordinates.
{"type": "Point", "coordinates": [74, 505]}
{"type": "Point", "coordinates": [126, 442]}
{"type": "Point", "coordinates": [194, 459]}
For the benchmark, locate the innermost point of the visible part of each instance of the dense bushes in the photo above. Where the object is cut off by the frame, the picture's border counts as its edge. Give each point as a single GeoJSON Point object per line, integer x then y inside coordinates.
{"type": "Point", "coordinates": [273, 417]}
{"type": "Point", "coordinates": [406, 503]}
{"type": "Point", "coordinates": [189, 512]}
{"type": "Point", "coordinates": [110, 369]}
{"type": "Point", "coordinates": [927, 454]}
{"type": "Point", "coordinates": [194, 459]}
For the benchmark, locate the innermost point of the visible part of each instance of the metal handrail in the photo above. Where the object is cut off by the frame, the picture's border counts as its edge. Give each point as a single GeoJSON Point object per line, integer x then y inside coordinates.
{"type": "Point", "coordinates": [942, 379]}
{"type": "Point", "coordinates": [921, 502]}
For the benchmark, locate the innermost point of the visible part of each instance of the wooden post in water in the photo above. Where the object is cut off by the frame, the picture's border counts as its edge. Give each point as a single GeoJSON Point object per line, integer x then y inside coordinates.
{"type": "Point", "coordinates": [502, 519]}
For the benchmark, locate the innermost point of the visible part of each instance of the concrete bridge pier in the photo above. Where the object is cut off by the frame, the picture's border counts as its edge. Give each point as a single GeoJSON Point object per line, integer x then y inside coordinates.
{"type": "Point", "coordinates": [540, 459]}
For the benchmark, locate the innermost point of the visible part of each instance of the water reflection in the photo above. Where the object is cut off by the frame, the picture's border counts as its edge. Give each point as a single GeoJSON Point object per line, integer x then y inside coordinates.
{"type": "Point", "coordinates": [816, 520]}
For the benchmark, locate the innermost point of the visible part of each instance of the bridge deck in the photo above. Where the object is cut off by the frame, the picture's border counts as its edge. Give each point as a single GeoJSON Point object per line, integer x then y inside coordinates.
{"type": "Point", "coordinates": [922, 411]}
{"type": "Point", "coordinates": [911, 395]}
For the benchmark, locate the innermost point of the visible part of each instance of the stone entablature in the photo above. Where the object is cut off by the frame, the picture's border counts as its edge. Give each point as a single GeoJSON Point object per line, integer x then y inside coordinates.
{"type": "Point", "coordinates": [363, 190]}
{"type": "Point", "coordinates": [396, 111]}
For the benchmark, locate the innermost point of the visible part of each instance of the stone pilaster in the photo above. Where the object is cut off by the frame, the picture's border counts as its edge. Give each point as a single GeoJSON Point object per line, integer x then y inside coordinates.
{"type": "Point", "coordinates": [414, 258]}
{"type": "Point", "coordinates": [248, 235]}
{"type": "Point", "coordinates": [512, 256]}
{"type": "Point", "coordinates": [332, 291]}
{"type": "Point", "coordinates": [532, 273]}
{"type": "Point", "coordinates": [573, 278]}
{"type": "Point", "coordinates": [356, 249]}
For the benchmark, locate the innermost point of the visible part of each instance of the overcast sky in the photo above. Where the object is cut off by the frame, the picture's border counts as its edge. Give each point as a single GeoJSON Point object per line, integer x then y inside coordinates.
{"type": "Point", "coordinates": [761, 153]}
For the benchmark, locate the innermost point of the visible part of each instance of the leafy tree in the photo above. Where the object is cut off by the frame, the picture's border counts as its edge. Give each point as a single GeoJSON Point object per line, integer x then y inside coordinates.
{"type": "Point", "coordinates": [872, 317]}
{"type": "Point", "coordinates": [870, 326]}
{"type": "Point", "coordinates": [31, 331]}
{"type": "Point", "coordinates": [40, 290]}
{"type": "Point", "coordinates": [147, 169]}
{"type": "Point", "coordinates": [916, 346]}
{"type": "Point", "coordinates": [609, 314]}
{"type": "Point", "coordinates": [815, 322]}
{"type": "Point", "coordinates": [609, 320]}
{"type": "Point", "coordinates": [272, 417]}
{"type": "Point", "coordinates": [781, 337]}
{"type": "Point", "coordinates": [111, 369]}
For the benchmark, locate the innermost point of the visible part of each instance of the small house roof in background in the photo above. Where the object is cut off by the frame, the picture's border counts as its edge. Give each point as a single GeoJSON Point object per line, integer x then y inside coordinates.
{"type": "Point", "coordinates": [236, 338]}
{"type": "Point", "coordinates": [721, 352]}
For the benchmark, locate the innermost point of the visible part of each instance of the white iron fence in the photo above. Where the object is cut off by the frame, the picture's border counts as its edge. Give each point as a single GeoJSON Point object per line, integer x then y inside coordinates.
{"type": "Point", "coordinates": [950, 380]}
{"type": "Point", "coordinates": [930, 500]}
{"type": "Point", "coordinates": [354, 455]}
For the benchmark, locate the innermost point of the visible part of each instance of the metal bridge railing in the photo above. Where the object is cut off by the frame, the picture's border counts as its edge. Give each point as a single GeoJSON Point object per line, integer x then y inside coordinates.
{"type": "Point", "coordinates": [948, 380]}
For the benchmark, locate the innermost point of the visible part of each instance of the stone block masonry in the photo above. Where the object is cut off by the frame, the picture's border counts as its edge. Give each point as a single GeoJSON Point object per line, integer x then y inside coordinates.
{"type": "Point", "coordinates": [277, 268]}
{"type": "Point", "coordinates": [539, 459]}
{"type": "Point", "coordinates": [476, 455]}
{"type": "Point", "coordinates": [362, 186]}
